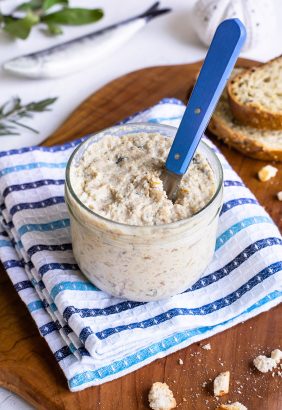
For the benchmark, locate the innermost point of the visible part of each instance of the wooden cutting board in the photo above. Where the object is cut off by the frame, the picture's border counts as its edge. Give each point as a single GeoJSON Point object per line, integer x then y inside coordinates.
{"type": "Point", "coordinates": [28, 368]}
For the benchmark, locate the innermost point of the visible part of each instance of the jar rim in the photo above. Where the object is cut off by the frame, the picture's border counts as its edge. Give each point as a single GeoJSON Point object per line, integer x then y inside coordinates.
{"type": "Point", "coordinates": [144, 228]}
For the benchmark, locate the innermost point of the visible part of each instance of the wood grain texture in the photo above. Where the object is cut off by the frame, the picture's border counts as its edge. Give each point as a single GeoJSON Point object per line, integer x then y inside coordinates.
{"type": "Point", "coordinates": [28, 368]}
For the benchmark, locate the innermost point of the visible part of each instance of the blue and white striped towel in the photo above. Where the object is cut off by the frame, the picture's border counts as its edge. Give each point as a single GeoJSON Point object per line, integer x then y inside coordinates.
{"type": "Point", "coordinates": [95, 337]}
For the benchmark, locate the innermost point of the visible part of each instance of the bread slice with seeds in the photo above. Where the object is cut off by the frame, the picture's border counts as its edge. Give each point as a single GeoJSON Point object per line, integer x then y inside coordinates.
{"type": "Point", "coordinates": [259, 144]}
{"type": "Point", "coordinates": [255, 96]}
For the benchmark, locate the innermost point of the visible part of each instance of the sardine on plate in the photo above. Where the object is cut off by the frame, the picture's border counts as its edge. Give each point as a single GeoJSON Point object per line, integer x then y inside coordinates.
{"type": "Point", "coordinates": [80, 52]}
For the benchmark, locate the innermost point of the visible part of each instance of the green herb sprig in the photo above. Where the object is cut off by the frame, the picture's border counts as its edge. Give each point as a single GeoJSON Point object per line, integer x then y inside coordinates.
{"type": "Point", "coordinates": [13, 112]}
{"type": "Point", "coordinates": [51, 13]}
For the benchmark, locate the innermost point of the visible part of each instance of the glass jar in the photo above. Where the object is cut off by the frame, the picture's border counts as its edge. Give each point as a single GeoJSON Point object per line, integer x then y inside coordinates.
{"type": "Point", "coordinates": [142, 263]}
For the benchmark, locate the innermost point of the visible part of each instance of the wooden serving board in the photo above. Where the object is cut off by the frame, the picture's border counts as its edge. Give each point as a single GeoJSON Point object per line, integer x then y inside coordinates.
{"type": "Point", "coordinates": [27, 366]}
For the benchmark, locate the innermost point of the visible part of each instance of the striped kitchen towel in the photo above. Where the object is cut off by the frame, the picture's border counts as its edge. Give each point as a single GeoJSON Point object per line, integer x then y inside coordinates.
{"type": "Point", "coordinates": [93, 336]}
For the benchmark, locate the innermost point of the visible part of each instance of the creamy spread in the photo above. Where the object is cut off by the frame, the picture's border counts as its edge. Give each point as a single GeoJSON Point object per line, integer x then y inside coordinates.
{"type": "Point", "coordinates": [117, 175]}
{"type": "Point", "coordinates": [120, 179]}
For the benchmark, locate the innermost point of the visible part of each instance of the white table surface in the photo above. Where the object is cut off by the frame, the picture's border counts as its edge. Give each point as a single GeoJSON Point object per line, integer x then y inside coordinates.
{"type": "Point", "coordinates": [167, 40]}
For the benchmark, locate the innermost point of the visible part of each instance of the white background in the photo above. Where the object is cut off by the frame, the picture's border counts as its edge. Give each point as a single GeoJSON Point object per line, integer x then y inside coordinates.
{"type": "Point", "coordinates": [167, 40]}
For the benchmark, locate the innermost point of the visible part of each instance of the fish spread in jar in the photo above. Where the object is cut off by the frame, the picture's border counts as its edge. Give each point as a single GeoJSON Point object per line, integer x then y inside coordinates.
{"type": "Point", "coordinates": [119, 178]}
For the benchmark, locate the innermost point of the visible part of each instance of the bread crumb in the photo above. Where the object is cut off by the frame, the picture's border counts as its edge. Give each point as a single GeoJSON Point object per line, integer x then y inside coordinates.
{"type": "Point", "coordinates": [267, 172]}
{"type": "Point", "coordinates": [276, 354]}
{"type": "Point", "coordinates": [161, 397]}
{"type": "Point", "coordinates": [180, 361]}
{"type": "Point", "coordinates": [279, 195]}
{"type": "Point", "coordinates": [221, 384]}
{"type": "Point", "coordinates": [232, 406]}
{"type": "Point", "coordinates": [207, 346]}
{"type": "Point", "coordinates": [264, 364]}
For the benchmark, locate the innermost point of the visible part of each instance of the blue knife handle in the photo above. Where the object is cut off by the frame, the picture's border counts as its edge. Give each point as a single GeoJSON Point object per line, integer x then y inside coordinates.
{"type": "Point", "coordinates": [217, 67]}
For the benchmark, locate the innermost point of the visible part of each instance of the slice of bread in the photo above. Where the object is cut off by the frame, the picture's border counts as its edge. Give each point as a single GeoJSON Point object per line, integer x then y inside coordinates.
{"type": "Point", "coordinates": [255, 96]}
{"type": "Point", "coordinates": [259, 144]}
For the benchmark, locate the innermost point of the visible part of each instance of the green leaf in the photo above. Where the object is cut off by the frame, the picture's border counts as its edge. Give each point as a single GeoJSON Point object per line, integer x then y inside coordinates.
{"type": "Point", "coordinates": [30, 5]}
{"type": "Point", "coordinates": [10, 107]}
{"type": "Point", "coordinates": [8, 19]}
{"type": "Point", "coordinates": [47, 4]}
{"type": "Point", "coordinates": [40, 106]}
{"type": "Point", "coordinates": [21, 28]}
{"type": "Point", "coordinates": [73, 16]}
{"type": "Point", "coordinates": [54, 29]}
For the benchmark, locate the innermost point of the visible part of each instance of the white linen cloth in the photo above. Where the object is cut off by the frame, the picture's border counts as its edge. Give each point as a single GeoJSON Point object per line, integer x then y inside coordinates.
{"type": "Point", "coordinates": [93, 336]}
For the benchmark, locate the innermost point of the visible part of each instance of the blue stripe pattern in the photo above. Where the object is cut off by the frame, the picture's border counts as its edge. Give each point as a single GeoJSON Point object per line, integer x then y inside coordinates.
{"type": "Point", "coordinates": [203, 310]}
{"type": "Point", "coordinates": [41, 285]}
{"type": "Point", "coordinates": [235, 263]}
{"type": "Point", "coordinates": [201, 283]}
{"type": "Point", "coordinates": [53, 307]}
{"type": "Point", "coordinates": [162, 346]}
{"type": "Point", "coordinates": [81, 286]}
{"type": "Point", "coordinates": [67, 329]}
{"type": "Point", "coordinates": [24, 284]}
{"type": "Point", "coordinates": [62, 353]}
{"type": "Point", "coordinates": [36, 305]}
{"type": "Point", "coordinates": [234, 229]}
{"type": "Point", "coordinates": [235, 202]}
{"type": "Point", "coordinates": [52, 266]}
{"type": "Point", "coordinates": [39, 248]}
{"type": "Point", "coordinates": [110, 310]}
{"type": "Point", "coordinates": [4, 243]}
{"type": "Point", "coordinates": [33, 165]}
{"type": "Point", "coordinates": [48, 328]}
{"type": "Point", "coordinates": [51, 226]}
{"type": "Point", "coordinates": [13, 264]}
{"type": "Point", "coordinates": [55, 200]}
{"type": "Point", "coordinates": [220, 242]}
{"type": "Point", "coordinates": [83, 351]}
{"type": "Point", "coordinates": [31, 185]}
{"type": "Point", "coordinates": [228, 183]}
{"type": "Point", "coordinates": [85, 333]}
{"type": "Point", "coordinates": [45, 303]}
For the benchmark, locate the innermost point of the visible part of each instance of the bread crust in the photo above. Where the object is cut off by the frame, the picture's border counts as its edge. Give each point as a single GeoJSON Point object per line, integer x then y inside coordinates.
{"type": "Point", "coordinates": [253, 113]}
{"type": "Point", "coordinates": [241, 142]}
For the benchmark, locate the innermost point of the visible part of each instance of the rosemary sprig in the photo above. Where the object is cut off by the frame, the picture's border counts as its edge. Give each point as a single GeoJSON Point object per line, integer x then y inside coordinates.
{"type": "Point", "coordinates": [12, 112]}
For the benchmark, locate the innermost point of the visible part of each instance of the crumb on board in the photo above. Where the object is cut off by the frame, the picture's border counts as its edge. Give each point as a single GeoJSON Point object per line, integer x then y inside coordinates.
{"type": "Point", "coordinates": [206, 346]}
{"type": "Point", "coordinates": [221, 384]}
{"type": "Point", "coordinates": [276, 355]}
{"type": "Point", "coordinates": [161, 397]}
{"type": "Point", "coordinates": [279, 195]}
{"type": "Point", "coordinates": [180, 361]}
{"type": "Point", "coordinates": [266, 364]}
{"type": "Point", "coordinates": [267, 172]}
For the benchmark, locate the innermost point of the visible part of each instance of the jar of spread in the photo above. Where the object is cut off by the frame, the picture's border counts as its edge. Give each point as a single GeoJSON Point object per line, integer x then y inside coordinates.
{"type": "Point", "coordinates": [128, 238]}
